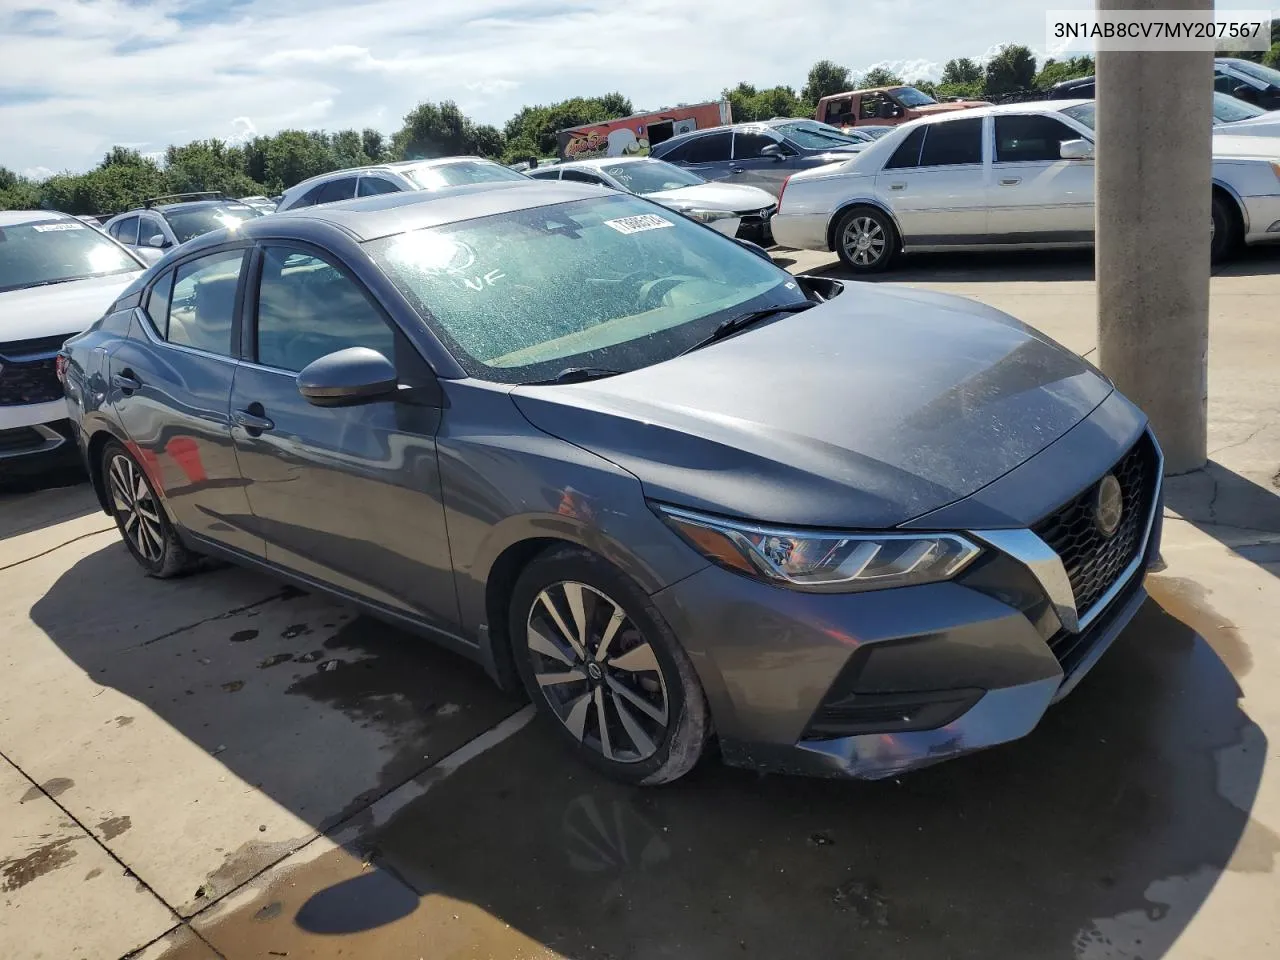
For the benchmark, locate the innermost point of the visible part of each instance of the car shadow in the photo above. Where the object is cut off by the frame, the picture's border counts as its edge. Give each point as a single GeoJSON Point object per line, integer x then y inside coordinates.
{"type": "Point", "coordinates": [1027, 266]}
{"type": "Point", "coordinates": [1098, 836]}
{"type": "Point", "coordinates": [31, 502]}
{"type": "Point", "coordinates": [1242, 515]}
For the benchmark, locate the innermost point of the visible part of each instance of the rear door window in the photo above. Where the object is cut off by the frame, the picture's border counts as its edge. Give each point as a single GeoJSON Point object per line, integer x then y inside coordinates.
{"type": "Point", "coordinates": [713, 148]}
{"type": "Point", "coordinates": [344, 188]}
{"type": "Point", "coordinates": [581, 176]}
{"type": "Point", "coordinates": [952, 143]}
{"type": "Point", "coordinates": [908, 152]}
{"type": "Point", "coordinates": [156, 304]}
{"type": "Point", "coordinates": [372, 186]}
{"type": "Point", "coordinates": [126, 230]}
{"type": "Point", "coordinates": [202, 308]}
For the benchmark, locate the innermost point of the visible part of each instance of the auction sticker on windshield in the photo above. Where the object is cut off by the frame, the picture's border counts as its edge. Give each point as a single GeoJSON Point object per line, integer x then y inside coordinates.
{"type": "Point", "coordinates": [645, 221]}
{"type": "Point", "coordinates": [50, 227]}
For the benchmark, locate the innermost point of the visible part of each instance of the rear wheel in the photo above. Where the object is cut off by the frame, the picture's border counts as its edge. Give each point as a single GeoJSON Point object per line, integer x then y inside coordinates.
{"type": "Point", "coordinates": [865, 240]}
{"type": "Point", "coordinates": [600, 662]}
{"type": "Point", "coordinates": [143, 523]}
{"type": "Point", "coordinates": [1226, 228]}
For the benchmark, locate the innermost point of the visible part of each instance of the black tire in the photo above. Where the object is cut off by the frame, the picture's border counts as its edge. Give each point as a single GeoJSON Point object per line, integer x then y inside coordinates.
{"type": "Point", "coordinates": [140, 516]}
{"type": "Point", "coordinates": [659, 752]}
{"type": "Point", "coordinates": [882, 240]}
{"type": "Point", "coordinates": [1226, 229]}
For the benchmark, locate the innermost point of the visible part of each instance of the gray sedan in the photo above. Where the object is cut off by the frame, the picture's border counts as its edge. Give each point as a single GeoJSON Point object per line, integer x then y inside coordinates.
{"type": "Point", "coordinates": [633, 467]}
{"type": "Point", "coordinates": [760, 154]}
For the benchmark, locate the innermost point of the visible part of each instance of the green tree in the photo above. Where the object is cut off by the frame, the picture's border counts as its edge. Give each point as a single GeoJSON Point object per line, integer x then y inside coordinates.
{"type": "Point", "coordinates": [435, 130]}
{"type": "Point", "coordinates": [292, 156]}
{"type": "Point", "coordinates": [927, 87]}
{"type": "Point", "coordinates": [1011, 70]}
{"type": "Point", "coordinates": [1272, 57]}
{"type": "Point", "coordinates": [540, 124]}
{"type": "Point", "coordinates": [346, 149]}
{"type": "Point", "coordinates": [111, 188]}
{"type": "Point", "coordinates": [749, 104]}
{"type": "Point", "coordinates": [961, 71]}
{"type": "Point", "coordinates": [373, 144]}
{"type": "Point", "coordinates": [17, 192]}
{"type": "Point", "coordinates": [880, 77]}
{"type": "Point", "coordinates": [825, 79]}
{"type": "Point", "coordinates": [208, 165]}
{"type": "Point", "coordinates": [1056, 71]}
{"type": "Point", "coordinates": [123, 156]}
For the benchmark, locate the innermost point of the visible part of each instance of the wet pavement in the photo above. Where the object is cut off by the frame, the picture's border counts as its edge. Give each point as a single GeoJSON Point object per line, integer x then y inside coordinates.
{"type": "Point", "coordinates": [1096, 837]}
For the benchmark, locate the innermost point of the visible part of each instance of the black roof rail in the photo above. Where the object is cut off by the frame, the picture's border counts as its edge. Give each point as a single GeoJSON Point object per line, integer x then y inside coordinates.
{"type": "Point", "coordinates": [179, 197]}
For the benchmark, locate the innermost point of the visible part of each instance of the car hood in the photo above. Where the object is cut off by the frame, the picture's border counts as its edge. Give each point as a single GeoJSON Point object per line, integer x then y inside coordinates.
{"type": "Point", "coordinates": [716, 196]}
{"type": "Point", "coordinates": [1228, 147]}
{"type": "Point", "coordinates": [864, 412]}
{"type": "Point", "coordinates": [935, 108]}
{"type": "Point", "coordinates": [1267, 125]}
{"type": "Point", "coordinates": [60, 308]}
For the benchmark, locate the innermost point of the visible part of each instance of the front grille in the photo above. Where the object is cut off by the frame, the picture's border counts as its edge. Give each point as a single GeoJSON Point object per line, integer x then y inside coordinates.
{"type": "Point", "coordinates": [1093, 561]}
{"type": "Point", "coordinates": [27, 373]}
{"type": "Point", "coordinates": [757, 218]}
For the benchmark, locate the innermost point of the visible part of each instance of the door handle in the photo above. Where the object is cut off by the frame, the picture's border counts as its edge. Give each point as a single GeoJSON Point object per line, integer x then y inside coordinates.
{"type": "Point", "coordinates": [734, 171]}
{"type": "Point", "coordinates": [253, 422]}
{"type": "Point", "coordinates": [1010, 181]}
{"type": "Point", "coordinates": [126, 382]}
{"type": "Point", "coordinates": [897, 186]}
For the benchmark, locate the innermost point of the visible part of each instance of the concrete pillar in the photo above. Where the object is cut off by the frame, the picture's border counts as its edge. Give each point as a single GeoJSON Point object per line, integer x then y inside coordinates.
{"type": "Point", "coordinates": [1153, 193]}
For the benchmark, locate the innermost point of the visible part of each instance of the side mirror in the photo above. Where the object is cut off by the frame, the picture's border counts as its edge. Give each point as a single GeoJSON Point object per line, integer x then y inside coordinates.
{"type": "Point", "coordinates": [755, 248]}
{"type": "Point", "coordinates": [1075, 150]}
{"type": "Point", "coordinates": [157, 240]}
{"type": "Point", "coordinates": [771, 150]}
{"type": "Point", "coordinates": [348, 377]}
{"type": "Point", "coordinates": [148, 255]}
{"type": "Point", "coordinates": [887, 111]}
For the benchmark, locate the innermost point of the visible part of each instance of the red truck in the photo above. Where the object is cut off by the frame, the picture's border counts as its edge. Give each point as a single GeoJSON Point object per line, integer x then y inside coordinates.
{"type": "Point", "coordinates": [634, 135]}
{"type": "Point", "coordinates": [884, 106]}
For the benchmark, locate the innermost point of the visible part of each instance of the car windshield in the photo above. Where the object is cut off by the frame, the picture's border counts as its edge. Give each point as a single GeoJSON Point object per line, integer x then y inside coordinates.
{"type": "Point", "coordinates": [651, 176]}
{"type": "Point", "coordinates": [872, 132]}
{"type": "Point", "coordinates": [458, 173]}
{"type": "Point", "coordinates": [911, 97]}
{"type": "Point", "coordinates": [813, 137]}
{"type": "Point", "coordinates": [1228, 109]}
{"type": "Point", "coordinates": [1082, 113]}
{"type": "Point", "coordinates": [55, 251]}
{"type": "Point", "coordinates": [186, 224]}
{"type": "Point", "coordinates": [1259, 72]}
{"type": "Point", "coordinates": [611, 282]}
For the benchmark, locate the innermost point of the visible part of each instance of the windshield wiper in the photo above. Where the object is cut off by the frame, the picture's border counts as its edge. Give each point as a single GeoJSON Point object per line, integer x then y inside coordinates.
{"type": "Point", "coordinates": [577, 375]}
{"type": "Point", "coordinates": [44, 283]}
{"type": "Point", "coordinates": [728, 328]}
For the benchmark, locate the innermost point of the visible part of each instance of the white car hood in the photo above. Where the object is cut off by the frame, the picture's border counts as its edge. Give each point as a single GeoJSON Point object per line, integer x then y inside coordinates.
{"type": "Point", "coordinates": [60, 308]}
{"type": "Point", "coordinates": [716, 196]}
{"type": "Point", "coordinates": [1266, 125]}
{"type": "Point", "coordinates": [1226, 147]}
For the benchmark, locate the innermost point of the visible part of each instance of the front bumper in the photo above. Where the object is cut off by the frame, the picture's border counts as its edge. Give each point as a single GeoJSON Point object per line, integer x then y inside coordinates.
{"type": "Point", "coordinates": [870, 685]}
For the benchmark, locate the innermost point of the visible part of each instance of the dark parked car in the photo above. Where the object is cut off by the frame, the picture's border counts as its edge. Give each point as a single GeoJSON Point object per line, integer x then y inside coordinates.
{"type": "Point", "coordinates": [1245, 80]}
{"type": "Point", "coordinates": [628, 462]}
{"type": "Point", "coordinates": [165, 222]}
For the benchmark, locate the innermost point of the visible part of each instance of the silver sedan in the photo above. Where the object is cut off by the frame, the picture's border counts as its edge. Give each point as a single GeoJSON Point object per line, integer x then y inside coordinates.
{"type": "Point", "coordinates": [1015, 176]}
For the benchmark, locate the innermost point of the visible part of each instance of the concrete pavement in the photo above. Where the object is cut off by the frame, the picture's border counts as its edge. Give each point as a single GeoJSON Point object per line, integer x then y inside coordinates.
{"type": "Point", "coordinates": [221, 767]}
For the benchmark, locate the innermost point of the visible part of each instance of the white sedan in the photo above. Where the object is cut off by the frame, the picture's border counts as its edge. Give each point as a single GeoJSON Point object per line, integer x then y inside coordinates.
{"type": "Point", "coordinates": [734, 209]}
{"type": "Point", "coordinates": [1015, 176]}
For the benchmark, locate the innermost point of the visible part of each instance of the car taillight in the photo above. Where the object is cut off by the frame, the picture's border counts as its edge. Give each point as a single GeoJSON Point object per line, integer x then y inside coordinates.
{"type": "Point", "coordinates": [60, 368]}
{"type": "Point", "coordinates": [780, 193]}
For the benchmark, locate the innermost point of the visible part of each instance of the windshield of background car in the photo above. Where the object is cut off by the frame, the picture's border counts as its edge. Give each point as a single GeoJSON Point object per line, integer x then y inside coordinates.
{"type": "Point", "coordinates": [186, 224]}
{"type": "Point", "coordinates": [1259, 72]}
{"type": "Point", "coordinates": [1228, 109]}
{"type": "Point", "coordinates": [911, 97]}
{"type": "Point", "coordinates": [613, 282]}
{"type": "Point", "coordinates": [650, 176]}
{"type": "Point", "coordinates": [55, 251]}
{"type": "Point", "coordinates": [1085, 113]}
{"type": "Point", "coordinates": [812, 138]}
{"type": "Point", "coordinates": [460, 173]}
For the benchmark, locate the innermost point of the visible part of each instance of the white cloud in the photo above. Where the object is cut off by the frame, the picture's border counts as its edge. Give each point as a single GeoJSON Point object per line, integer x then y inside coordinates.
{"type": "Point", "coordinates": [86, 74]}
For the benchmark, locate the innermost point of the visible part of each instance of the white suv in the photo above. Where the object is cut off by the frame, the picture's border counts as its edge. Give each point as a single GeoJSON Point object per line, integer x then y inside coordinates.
{"type": "Point", "coordinates": [394, 178]}
{"type": "Point", "coordinates": [57, 276]}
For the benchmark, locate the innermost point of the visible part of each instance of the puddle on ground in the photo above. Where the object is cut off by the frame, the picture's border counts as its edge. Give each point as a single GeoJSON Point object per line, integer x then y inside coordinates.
{"type": "Point", "coordinates": [1187, 601]}
{"type": "Point", "coordinates": [17, 872]}
{"type": "Point", "coordinates": [113, 827]}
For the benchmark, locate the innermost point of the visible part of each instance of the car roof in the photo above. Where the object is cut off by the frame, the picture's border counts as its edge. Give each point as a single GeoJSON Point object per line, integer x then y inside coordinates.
{"type": "Point", "coordinates": [595, 163]}
{"type": "Point", "coordinates": [191, 205]}
{"type": "Point", "coordinates": [368, 218]}
{"type": "Point", "coordinates": [393, 166]}
{"type": "Point", "coordinates": [1027, 106]}
{"type": "Point", "coordinates": [722, 128]}
{"type": "Point", "coordinates": [14, 218]}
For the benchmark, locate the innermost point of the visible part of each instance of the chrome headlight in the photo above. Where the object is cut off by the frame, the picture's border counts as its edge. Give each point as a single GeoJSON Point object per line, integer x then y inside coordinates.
{"type": "Point", "coordinates": [822, 561]}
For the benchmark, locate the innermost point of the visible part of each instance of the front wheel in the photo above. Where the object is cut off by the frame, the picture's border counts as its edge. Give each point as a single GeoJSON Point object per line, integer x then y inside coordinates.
{"type": "Point", "coordinates": [866, 240]}
{"type": "Point", "coordinates": [600, 662]}
{"type": "Point", "coordinates": [143, 523]}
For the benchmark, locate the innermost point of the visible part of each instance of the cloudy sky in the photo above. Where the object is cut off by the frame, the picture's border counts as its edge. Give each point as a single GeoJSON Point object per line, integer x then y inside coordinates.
{"type": "Point", "coordinates": [77, 76]}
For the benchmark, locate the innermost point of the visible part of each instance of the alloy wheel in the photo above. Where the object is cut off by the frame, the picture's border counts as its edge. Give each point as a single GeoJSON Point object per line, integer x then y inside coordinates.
{"type": "Point", "coordinates": [864, 241]}
{"type": "Point", "coordinates": [136, 507]}
{"type": "Point", "coordinates": [598, 673]}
